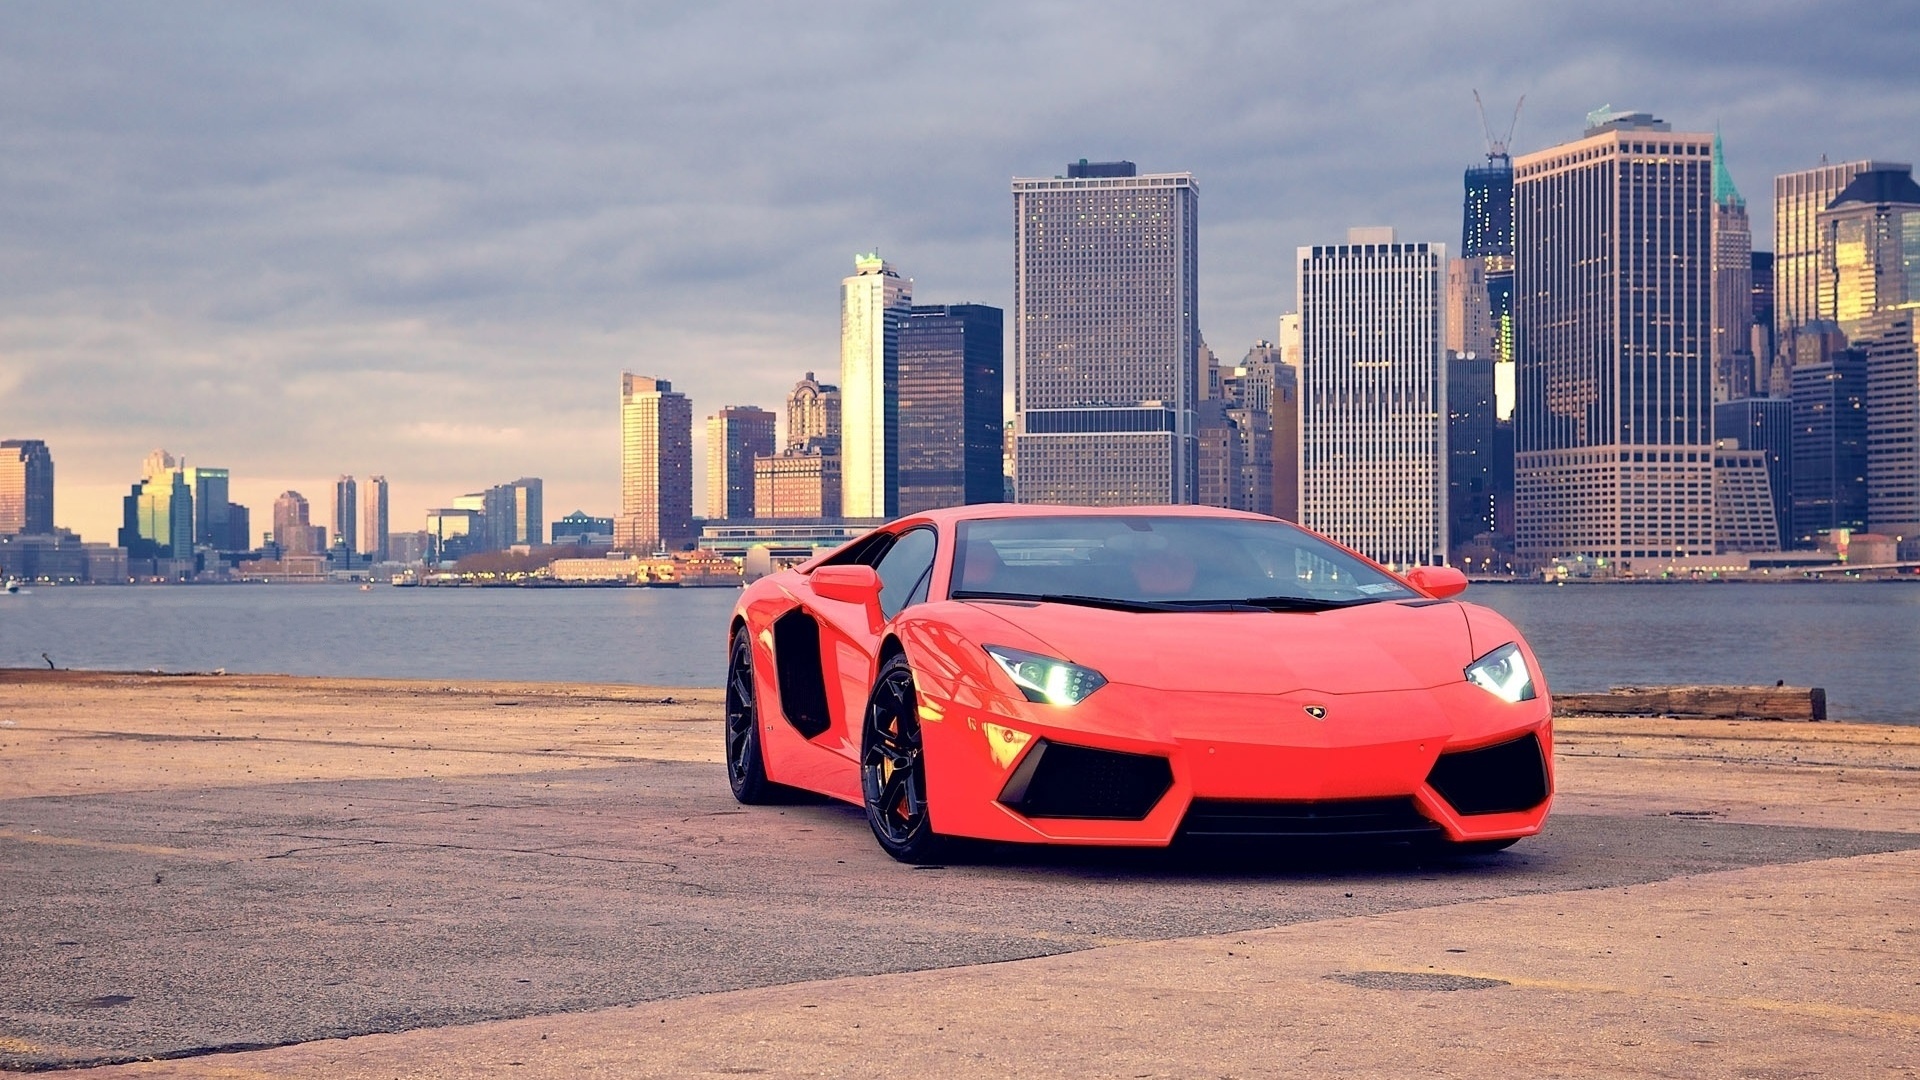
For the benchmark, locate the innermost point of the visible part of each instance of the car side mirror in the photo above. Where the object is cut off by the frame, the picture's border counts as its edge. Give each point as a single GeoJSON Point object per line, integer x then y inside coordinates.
{"type": "Point", "coordinates": [848, 584]}
{"type": "Point", "coordinates": [1438, 581]}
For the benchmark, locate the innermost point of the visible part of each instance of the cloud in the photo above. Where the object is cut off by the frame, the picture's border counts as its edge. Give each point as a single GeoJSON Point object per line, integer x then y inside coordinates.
{"type": "Point", "coordinates": [299, 241]}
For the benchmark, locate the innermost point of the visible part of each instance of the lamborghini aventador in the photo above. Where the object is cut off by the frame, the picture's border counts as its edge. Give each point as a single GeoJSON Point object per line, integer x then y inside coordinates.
{"type": "Point", "coordinates": [1134, 676]}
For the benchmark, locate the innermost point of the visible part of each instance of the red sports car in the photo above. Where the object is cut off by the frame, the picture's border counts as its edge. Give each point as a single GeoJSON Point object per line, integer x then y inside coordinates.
{"type": "Point", "coordinates": [1069, 675]}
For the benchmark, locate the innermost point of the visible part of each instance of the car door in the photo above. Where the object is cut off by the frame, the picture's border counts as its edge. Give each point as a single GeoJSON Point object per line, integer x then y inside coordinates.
{"type": "Point", "coordinates": [850, 640]}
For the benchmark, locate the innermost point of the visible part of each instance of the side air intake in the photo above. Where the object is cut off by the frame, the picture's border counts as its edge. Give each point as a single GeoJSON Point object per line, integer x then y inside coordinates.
{"type": "Point", "coordinates": [1498, 779]}
{"type": "Point", "coordinates": [1059, 780]}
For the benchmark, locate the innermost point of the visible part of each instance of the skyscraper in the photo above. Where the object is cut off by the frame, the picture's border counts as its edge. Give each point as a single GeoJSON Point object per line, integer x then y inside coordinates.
{"type": "Point", "coordinates": [874, 304]}
{"type": "Point", "coordinates": [1829, 445]}
{"type": "Point", "coordinates": [292, 531]}
{"type": "Point", "coordinates": [1798, 198]}
{"type": "Point", "coordinates": [735, 436]}
{"type": "Point", "coordinates": [1868, 248]}
{"type": "Point", "coordinates": [1106, 336]}
{"type": "Point", "coordinates": [346, 514]}
{"type": "Point", "coordinates": [26, 487]}
{"type": "Point", "coordinates": [1486, 246]}
{"type": "Point", "coordinates": [1613, 323]}
{"type": "Point", "coordinates": [951, 387]}
{"type": "Point", "coordinates": [514, 514]}
{"type": "Point", "coordinates": [157, 515]}
{"type": "Point", "coordinates": [1373, 397]}
{"type": "Point", "coordinates": [1868, 284]}
{"type": "Point", "coordinates": [1733, 368]}
{"type": "Point", "coordinates": [212, 520]}
{"type": "Point", "coordinates": [813, 416]}
{"type": "Point", "coordinates": [1470, 424]}
{"type": "Point", "coordinates": [656, 465]}
{"type": "Point", "coordinates": [375, 526]}
{"type": "Point", "coordinates": [1769, 375]}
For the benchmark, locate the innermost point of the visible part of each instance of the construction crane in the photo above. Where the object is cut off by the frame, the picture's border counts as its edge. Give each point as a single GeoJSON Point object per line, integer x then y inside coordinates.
{"type": "Point", "coordinates": [1497, 148]}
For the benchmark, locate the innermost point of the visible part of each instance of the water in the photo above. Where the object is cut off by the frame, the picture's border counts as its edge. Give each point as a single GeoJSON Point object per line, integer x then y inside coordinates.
{"type": "Point", "coordinates": [1860, 641]}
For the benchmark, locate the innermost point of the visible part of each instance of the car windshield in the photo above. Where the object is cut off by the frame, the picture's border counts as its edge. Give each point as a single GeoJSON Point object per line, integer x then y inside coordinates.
{"type": "Point", "coordinates": [1150, 563]}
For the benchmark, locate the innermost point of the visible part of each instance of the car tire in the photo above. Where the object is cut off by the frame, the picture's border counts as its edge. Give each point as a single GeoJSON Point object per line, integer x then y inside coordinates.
{"type": "Point", "coordinates": [893, 769]}
{"type": "Point", "coordinates": [746, 767]}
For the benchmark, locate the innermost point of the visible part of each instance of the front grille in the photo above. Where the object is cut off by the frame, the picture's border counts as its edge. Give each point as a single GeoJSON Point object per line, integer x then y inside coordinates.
{"type": "Point", "coordinates": [1357, 818]}
{"type": "Point", "coordinates": [1498, 779]}
{"type": "Point", "coordinates": [1060, 780]}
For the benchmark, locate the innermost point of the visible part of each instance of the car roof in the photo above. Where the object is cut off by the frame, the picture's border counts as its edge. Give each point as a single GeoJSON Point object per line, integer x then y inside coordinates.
{"type": "Point", "coordinates": [987, 511]}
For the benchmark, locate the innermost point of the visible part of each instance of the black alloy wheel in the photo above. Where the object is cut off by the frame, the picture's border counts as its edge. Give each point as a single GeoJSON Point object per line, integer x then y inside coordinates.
{"type": "Point", "coordinates": [893, 768]}
{"type": "Point", "coordinates": [746, 769]}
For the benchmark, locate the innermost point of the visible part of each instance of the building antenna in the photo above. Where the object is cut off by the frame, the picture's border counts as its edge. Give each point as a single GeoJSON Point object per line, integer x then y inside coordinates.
{"type": "Point", "coordinates": [1497, 148]}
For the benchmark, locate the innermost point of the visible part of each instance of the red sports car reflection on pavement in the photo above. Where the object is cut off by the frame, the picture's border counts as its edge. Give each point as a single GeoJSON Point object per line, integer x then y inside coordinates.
{"type": "Point", "coordinates": [1069, 675]}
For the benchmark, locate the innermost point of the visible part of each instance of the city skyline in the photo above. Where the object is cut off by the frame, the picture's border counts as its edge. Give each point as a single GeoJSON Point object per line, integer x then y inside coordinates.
{"type": "Point", "coordinates": [309, 287]}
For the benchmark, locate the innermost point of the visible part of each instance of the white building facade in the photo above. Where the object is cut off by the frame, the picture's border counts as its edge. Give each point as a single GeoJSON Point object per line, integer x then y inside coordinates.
{"type": "Point", "coordinates": [874, 305]}
{"type": "Point", "coordinates": [1373, 405]}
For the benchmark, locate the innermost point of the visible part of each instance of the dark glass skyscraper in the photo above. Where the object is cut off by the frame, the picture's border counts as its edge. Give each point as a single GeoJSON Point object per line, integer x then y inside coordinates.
{"type": "Point", "coordinates": [1829, 446]}
{"type": "Point", "coordinates": [1470, 425]}
{"type": "Point", "coordinates": [1487, 233]}
{"type": "Point", "coordinates": [952, 363]}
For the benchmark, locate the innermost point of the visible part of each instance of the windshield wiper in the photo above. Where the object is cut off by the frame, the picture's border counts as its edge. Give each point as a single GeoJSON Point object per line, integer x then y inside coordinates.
{"type": "Point", "coordinates": [1108, 602]}
{"type": "Point", "coordinates": [1303, 603]}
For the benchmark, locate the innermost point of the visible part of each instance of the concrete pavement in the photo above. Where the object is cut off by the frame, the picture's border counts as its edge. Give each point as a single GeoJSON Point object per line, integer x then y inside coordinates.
{"type": "Point", "coordinates": [410, 885]}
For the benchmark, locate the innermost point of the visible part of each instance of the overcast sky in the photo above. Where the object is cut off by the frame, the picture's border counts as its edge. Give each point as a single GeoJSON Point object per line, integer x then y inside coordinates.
{"type": "Point", "coordinates": [424, 239]}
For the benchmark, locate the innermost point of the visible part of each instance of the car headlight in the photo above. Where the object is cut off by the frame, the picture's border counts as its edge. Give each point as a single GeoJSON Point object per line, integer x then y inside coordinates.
{"type": "Point", "coordinates": [1044, 679]}
{"type": "Point", "coordinates": [1503, 673]}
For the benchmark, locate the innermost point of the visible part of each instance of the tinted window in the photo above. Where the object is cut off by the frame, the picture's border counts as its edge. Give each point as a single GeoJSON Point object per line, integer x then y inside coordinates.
{"type": "Point", "coordinates": [1162, 560]}
{"type": "Point", "coordinates": [904, 571]}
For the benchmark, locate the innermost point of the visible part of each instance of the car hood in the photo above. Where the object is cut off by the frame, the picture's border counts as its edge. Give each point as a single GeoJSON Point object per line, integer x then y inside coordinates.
{"type": "Point", "coordinates": [1365, 649]}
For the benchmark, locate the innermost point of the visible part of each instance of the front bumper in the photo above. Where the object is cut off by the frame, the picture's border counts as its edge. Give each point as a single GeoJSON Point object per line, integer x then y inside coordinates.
{"type": "Point", "coordinates": [1367, 759]}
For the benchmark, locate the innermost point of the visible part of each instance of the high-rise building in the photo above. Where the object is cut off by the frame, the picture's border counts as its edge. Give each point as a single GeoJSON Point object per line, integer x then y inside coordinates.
{"type": "Point", "coordinates": [656, 466]}
{"type": "Point", "coordinates": [1613, 323]}
{"type": "Point", "coordinates": [514, 514]}
{"type": "Point", "coordinates": [375, 526]}
{"type": "Point", "coordinates": [1373, 396]}
{"type": "Point", "coordinates": [26, 487]}
{"type": "Point", "coordinates": [813, 416]}
{"type": "Point", "coordinates": [1829, 444]}
{"type": "Point", "coordinates": [1764, 424]}
{"type": "Point", "coordinates": [1469, 322]}
{"type": "Point", "coordinates": [1798, 199]}
{"type": "Point", "coordinates": [1733, 366]}
{"type": "Point", "coordinates": [735, 437]}
{"type": "Point", "coordinates": [1769, 374]}
{"type": "Point", "coordinates": [1286, 442]}
{"type": "Point", "coordinates": [951, 387]}
{"type": "Point", "coordinates": [293, 532]}
{"type": "Point", "coordinates": [212, 522]}
{"type": "Point", "coordinates": [874, 305]}
{"type": "Point", "coordinates": [1470, 423]}
{"type": "Point", "coordinates": [1486, 245]}
{"type": "Point", "coordinates": [1892, 348]}
{"type": "Point", "coordinates": [1106, 336]}
{"type": "Point", "coordinates": [157, 515]}
{"type": "Point", "coordinates": [346, 514]}
{"type": "Point", "coordinates": [1868, 244]}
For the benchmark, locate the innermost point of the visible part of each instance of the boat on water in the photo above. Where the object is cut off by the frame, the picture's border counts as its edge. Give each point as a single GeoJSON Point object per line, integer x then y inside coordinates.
{"type": "Point", "coordinates": [11, 586]}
